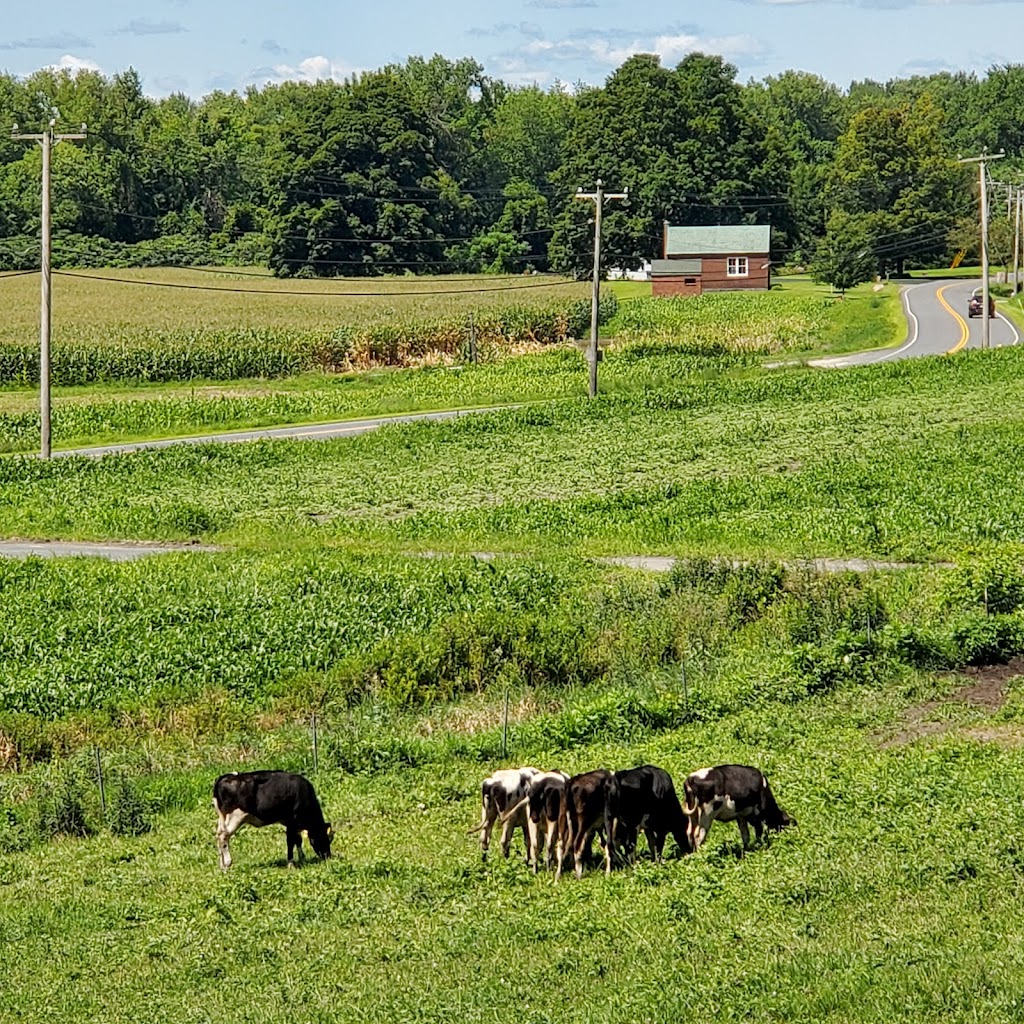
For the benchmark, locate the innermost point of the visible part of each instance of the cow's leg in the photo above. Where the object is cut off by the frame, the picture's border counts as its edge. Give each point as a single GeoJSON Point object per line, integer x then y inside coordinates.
{"type": "Point", "coordinates": [744, 832]}
{"type": "Point", "coordinates": [581, 843]}
{"type": "Point", "coordinates": [488, 816]}
{"type": "Point", "coordinates": [758, 826]}
{"type": "Point", "coordinates": [699, 824]}
{"type": "Point", "coordinates": [534, 839]}
{"type": "Point", "coordinates": [507, 831]}
{"type": "Point", "coordinates": [609, 850]}
{"type": "Point", "coordinates": [294, 842]}
{"type": "Point", "coordinates": [550, 843]}
{"type": "Point", "coordinates": [227, 826]}
{"type": "Point", "coordinates": [566, 844]}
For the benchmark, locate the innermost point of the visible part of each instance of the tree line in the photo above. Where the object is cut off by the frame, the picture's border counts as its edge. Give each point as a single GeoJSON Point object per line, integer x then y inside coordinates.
{"type": "Point", "coordinates": [432, 166]}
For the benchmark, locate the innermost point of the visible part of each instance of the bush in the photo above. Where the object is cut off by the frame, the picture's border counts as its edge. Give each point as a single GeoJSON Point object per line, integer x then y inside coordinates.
{"type": "Point", "coordinates": [127, 812]}
{"type": "Point", "coordinates": [994, 583]}
{"type": "Point", "coordinates": [62, 806]}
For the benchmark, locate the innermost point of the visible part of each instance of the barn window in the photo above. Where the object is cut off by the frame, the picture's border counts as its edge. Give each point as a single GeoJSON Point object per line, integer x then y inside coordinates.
{"type": "Point", "coordinates": [690, 281]}
{"type": "Point", "coordinates": [737, 266]}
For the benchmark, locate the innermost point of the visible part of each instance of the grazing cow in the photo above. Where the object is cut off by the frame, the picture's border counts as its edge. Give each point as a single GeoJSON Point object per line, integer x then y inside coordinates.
{"type": "Point", "coordinates": [270, 798]}
{"type": "Point", "coordinates": [588, 801]}
{"type": "Point", "coordinates": [732, 792]}
{"type": "Point", "coordinates": [648, 801]}
{"type": "Point", "coordinates": [541, 805]}
{"type": "Point", "coordinates": [501, 797]}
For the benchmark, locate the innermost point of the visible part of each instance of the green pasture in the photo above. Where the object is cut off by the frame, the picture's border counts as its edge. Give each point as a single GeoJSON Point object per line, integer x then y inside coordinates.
{"type": "Point", "coordinates": [895, 898]}
{"type": "Point", "coordinates": [913, 460]}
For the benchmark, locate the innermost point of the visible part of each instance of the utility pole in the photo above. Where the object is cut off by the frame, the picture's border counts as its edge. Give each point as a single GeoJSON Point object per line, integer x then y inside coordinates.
{"type": "Point", "coordinates": [47, 138]}
{"type": "Point", "coordinates": [1018, 239]}
{"type": "Point", "coordinates": [981, 161]}
{"type": "Point", "coordinates": [598, 198]}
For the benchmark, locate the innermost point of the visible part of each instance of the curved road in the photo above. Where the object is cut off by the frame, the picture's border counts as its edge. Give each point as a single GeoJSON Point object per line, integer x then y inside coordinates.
{"type": "Point", "coordinates": [937, 324]}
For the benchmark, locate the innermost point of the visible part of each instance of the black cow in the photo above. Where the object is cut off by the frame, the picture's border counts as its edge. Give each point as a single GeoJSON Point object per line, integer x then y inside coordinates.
{"type": "Point", "coordinates": [270, 798]}
{"type": "Point", "coordinates": [648, 801]}
{"type": "Point", "coordinates": [588, 801]}
{"type": "Point", "coordinates": [732, 792]}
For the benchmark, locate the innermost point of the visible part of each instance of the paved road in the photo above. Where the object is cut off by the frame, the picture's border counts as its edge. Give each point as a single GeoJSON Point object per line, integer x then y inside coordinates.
{"type": "Point", "coordinates": [124, 551]}
{"type": "Point", "coordinates": [313, 431]}
{"type": "Point", "coordinates": [111, 551]}
{"type": "Point", "coordinates": [937, 323]}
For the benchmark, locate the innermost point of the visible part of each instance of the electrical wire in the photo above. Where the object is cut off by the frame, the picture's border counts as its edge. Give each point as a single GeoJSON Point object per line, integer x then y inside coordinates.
{"type": "Point", "coordinates": [322, 295]}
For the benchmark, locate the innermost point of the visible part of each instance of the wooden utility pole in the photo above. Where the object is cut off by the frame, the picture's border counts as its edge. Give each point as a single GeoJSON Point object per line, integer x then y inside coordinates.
{"type": "Point", "coordinates": [1018, 239]}
{"type": "Point", "coordinates": [598, 198]}
{"type": "Point", "coordinates": [981, 161]}
{"type": "Point", "coordinates": [47, 138]}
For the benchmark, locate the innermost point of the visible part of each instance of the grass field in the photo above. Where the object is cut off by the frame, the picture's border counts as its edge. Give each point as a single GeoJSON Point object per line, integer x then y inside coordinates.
{"type": "Point", "coordinates": [913, 460]}
{"type": "Point", "coordinates": [798, 318]}
{"type": "Point", "coordinates": [886, 708]}
{"type": "Point", "coordinates": [896, 897]}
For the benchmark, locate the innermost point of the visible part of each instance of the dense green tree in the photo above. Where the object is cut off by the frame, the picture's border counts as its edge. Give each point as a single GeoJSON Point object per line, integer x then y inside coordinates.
{"type": "Point", "coordinates": [681, 140]}
{"type": "Point", "coordinates": [844, 257]}
{"type": "Point", "coordinates": [892, 169]}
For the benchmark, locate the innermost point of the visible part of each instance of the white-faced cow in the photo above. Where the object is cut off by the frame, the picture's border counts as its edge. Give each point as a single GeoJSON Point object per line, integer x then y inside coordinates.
{"type": "Point", "coordinates": [648, 801]}
{"type": "Point", "coordinates": [269, 798]}
{"type": "Point", "coordinates": [588, 801]}
{"type": "Point", "coordinates": [732, 792]}
{"type": "Point", "coordinates": [502, 793]}
{"type": "Point", "coordinates": [541, 806]}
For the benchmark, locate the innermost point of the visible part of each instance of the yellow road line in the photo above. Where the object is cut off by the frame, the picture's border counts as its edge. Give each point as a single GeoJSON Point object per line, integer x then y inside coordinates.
{"type": "Point", "coordinates": [965, 332]}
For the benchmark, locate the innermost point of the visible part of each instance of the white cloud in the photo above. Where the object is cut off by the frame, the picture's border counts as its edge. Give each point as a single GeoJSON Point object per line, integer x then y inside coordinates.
{"type": "Point", "coordinates": [69, 62]}
{"type": "Point", "coordinates": [312, 69]}
{"type": "Point", "coordinates": [671, 47]}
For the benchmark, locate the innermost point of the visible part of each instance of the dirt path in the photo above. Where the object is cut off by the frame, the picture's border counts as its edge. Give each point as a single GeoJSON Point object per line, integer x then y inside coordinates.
{"type": "Point", "coordinates": [984, 690]}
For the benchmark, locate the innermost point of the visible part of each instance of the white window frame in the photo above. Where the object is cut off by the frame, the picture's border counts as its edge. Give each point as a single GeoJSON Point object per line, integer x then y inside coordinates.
{"type": "Point", "coordinates": [737, 266]}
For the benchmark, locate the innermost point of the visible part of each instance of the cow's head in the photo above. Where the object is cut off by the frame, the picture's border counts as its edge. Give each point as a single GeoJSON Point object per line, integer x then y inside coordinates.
{"type": "Point", "coordinates": [321, 842]}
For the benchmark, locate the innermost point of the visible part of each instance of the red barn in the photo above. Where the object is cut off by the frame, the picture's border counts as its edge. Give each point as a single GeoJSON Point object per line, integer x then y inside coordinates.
{"type": "Point", "coordinates": [712, 259]}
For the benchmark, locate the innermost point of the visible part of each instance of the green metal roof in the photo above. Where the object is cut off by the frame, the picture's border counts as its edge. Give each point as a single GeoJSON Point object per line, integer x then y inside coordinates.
{"type": "Point", "coordinates": [718, 240]}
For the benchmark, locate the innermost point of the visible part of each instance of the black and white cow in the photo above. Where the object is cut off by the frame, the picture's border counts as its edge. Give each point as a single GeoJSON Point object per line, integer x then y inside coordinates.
{"type": "Point", "coordinates": [541, 806]}
{"type": "Point", "coordinates": [502, 796]}
{"type": "Point", "coordinates": [270, 798]}
{"type": "Point", "coordinates": [732, 792]}
{"type": "Point", "coordinates": [588, 801]}
{"type": "Point", "coordinates": [648, 801]}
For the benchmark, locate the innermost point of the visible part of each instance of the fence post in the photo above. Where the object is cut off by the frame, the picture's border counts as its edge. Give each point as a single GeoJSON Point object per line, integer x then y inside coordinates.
{"type": "Point", "coordinates": [504, 729]}
{"type": "Point", "coordinates": [99, 781]}
{"type": "Point", "coordinates": [316, 753]}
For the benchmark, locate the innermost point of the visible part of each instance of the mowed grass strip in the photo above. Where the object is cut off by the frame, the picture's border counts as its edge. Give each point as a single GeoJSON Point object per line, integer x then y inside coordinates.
{"type": "Point", "coordinates": [915, 460]}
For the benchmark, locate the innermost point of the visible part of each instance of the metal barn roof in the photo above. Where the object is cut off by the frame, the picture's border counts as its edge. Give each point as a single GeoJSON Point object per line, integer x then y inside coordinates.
{"type": "Point", "coordinates": [718, 240]}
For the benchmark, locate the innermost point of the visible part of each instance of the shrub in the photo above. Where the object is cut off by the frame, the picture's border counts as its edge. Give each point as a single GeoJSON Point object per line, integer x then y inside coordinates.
{"type": "Point", "coordinates": [127, 811]}
{"type": "Point", "coordinates": [995, 583]}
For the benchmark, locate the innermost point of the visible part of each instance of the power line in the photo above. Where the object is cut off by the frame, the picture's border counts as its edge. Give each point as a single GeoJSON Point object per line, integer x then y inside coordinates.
{"type": "Point", "coordinates": [329, 295]}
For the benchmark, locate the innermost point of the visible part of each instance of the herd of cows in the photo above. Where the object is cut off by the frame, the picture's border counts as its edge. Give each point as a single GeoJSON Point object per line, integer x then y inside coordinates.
{"type": "Point", "coordinates": [558, 814]}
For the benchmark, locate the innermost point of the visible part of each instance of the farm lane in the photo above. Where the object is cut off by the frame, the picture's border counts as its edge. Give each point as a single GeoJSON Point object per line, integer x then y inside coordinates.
{"type": "Point", "coordinates": [310, 431]}
{"type": "Point", "coordinates": [124, 551]}
{"type": "Point", "coordinates": [937, 323]}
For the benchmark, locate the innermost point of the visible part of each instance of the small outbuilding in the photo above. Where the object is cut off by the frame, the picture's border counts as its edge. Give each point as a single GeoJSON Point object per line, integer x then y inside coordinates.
{"type": "Point", "coordinates": [713, 258]}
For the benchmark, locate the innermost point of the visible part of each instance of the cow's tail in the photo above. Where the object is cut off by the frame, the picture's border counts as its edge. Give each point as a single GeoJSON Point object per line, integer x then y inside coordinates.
{"type": "Point", "coordinates": [690, 806]}
{"type": "Point", "coordinates": [512, 811]}
{"type": "Point", "coordinates": [485, 799]}
{"type": "Point", "coordinates": [611, 814]}
{"type": "Point", "coordinates": [774, 816]}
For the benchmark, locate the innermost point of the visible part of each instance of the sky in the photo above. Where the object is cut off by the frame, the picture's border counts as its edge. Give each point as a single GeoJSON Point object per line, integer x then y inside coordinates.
{"type": "Point", "coordinates": [197, 46]}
